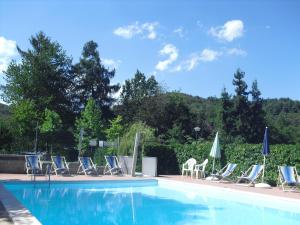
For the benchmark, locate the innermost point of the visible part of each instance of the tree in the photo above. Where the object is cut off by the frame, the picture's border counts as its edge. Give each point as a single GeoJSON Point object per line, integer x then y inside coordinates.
{"type": "Point", "coordinates": [24, 121]}
{"type": "Point", "coordinates": [139, 87]}
{"type": "Point", "coordinates": [51, 124]}
{"type": "Point", "coordinates": [6, 136]}
{"type": "Point", "coordinates": [42, 77]}
{"type": "Point", "coordinates": [227, 116]}
{"type": "Point", "coordinates": [115, 129]}
{"type": "Point", "coordinates": [134, 92]}
{"type": "Point", "coordinates": [93, 81]}
{"type": "Point", "coordinates": [241, 105]}
{"type": "Point", "coordinates": [257, 115]}
{"type": "Point", "coordinates": [127, 140]}
{"type": "Point", "coordinates": [91, 122]}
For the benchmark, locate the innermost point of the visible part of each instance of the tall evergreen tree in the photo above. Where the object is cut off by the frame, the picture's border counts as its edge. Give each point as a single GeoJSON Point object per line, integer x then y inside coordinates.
{"type": "Point", "coordinates": [92, 80]}
{"type": "Point", "coordinates": [139, 87]}
{"type": "Point", "coordinates": [42, 77]}
{"type": "Point", "coordinates": [257, 115]}
{"type": "Point", "coordinates": [227, 116]}
{"type": "Point", "coordinates": [134, 92]}
{"type": "Point", "coordinates": [241, 105]}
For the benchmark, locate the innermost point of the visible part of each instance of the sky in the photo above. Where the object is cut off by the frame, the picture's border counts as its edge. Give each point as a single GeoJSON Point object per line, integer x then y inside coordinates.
{"type": "Point", "coordinates": [189, 46]}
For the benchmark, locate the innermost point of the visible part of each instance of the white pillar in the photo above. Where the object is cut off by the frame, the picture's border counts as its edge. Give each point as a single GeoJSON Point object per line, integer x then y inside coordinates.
{"type": "Point", "coordinates": [135, 153]}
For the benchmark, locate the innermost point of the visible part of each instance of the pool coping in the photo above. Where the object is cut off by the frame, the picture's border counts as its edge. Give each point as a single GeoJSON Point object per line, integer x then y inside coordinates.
{"type": "Point", "coordinates": [19, 214]}
{"type": "Point", "coordinates": [232, 190]}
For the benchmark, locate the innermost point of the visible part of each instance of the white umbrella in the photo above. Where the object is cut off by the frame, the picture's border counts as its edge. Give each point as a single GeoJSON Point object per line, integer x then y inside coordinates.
{"type": "Point", "coordinates": [215, 151]}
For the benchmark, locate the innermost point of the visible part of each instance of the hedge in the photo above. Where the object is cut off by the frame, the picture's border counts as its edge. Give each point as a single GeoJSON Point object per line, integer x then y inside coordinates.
{"type": "Point", "coordinates": [170, 158]}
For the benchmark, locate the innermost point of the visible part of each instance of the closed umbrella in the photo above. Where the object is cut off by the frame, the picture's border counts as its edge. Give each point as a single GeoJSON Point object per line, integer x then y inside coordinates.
{"type": "Point", "coordinates": [265, 150]}
{"type": "Point", "coordinates": [215, 151]}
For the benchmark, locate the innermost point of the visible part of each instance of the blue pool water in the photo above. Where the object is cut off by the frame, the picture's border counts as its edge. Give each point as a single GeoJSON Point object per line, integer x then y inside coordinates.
{"type": "Point", "coordinates": [148, 202]}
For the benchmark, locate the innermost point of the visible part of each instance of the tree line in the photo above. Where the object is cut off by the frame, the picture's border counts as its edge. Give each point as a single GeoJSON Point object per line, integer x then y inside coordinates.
{"type": "Point", "coordinates": [57, 98]}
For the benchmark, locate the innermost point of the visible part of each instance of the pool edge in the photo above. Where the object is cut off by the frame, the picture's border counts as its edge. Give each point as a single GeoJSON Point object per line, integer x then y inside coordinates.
{"type": "Point", "coordinates": [229, 189]}
{"type": "Point", "coordinates": [19, 214]}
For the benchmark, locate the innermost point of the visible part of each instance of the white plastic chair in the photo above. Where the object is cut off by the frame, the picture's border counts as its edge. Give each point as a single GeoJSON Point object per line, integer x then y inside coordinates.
{"type": "Point", "coordinates": [188, 166]}
{"type": "Point", "coordinates": [200, 169]}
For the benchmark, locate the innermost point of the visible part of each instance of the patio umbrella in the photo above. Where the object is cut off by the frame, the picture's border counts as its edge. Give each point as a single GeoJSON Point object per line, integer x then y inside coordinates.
{"type": "Point", "coordinates": [215, 150]}
{"type": "Point", "coordinates": [265, 150]}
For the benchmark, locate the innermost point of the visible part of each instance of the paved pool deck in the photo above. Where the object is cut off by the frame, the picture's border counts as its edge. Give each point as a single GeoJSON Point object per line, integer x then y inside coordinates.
{"type": "Point", "coordinates": [17, 214]}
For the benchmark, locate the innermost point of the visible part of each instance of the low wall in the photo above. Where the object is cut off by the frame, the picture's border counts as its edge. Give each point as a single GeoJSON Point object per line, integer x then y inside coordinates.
{"type": "Point", "coordinates": [12, 164]}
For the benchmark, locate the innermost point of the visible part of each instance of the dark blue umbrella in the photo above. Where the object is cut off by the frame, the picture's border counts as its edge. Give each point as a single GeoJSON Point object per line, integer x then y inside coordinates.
{"type": "Point", "coordinates": [265, 150]}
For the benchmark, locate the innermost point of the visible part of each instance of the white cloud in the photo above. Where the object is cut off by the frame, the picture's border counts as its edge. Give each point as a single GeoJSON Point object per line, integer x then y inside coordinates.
{"type": "Point", "coordinates": [8, 49]}
{"type": "Point", "coordinates": [146, 30]}
{"type": "Point", "coordinates": [150, 28]}
{"type": "Point", "coordinates": [179, 31]}
{"type": "Point", "coordinates": [206, 55]}
{"type": "Point", "coordinates": [229, 31]}
{"type": "Point", "coordinates": [111, 63]}
{"type": "Point", "coordinates": [168, 50]}
{"type": "Point", "coordinates": [237, 52]}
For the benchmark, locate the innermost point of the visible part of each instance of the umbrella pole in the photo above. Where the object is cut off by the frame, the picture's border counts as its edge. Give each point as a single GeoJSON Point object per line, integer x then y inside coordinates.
{"type": "Point", "coordinates": [213, 166]}
{"type": "Point", "coordinates": [263, 175]}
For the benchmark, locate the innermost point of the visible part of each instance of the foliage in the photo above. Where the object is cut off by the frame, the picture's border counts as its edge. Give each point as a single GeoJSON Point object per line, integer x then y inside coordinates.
{"type": "Point", "coordinates": [115, 129]}
{"type": "Point", "coordinates": [127, 140]}
{"type": "Point", "coordinates": [242, 118]}
{"type": "Point", "coordinates": [24, 118]}
{"type": "Point", "coordinates": [166, 158]}
{"type": "Point", "coordinates": [51, 122]}
{"type": "Point", "coordinates": [42, 77]}
{"type": "Point", "coordinates": [91, 122]}
{"type": "Point", "coordinates": [6, 136]}
{"type": "Point", "coordinates": [93, 80]}
{"type": "Point", "coordinates": [139, 87]}
{"type": "Point", "coordinates": [244, 155]}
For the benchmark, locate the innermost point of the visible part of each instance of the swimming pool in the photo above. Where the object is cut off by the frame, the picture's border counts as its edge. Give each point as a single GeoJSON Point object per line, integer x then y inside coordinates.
{"type": "Point", "coordinates": [146, 202]}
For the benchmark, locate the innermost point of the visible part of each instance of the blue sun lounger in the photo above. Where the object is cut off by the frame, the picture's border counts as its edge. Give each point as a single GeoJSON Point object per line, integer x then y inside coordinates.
{"type": "Point", "coordinates": [32, 163]}
{"type": "Point", "coordinates": [112, 165]}
{"type": "Point", "coordinates": [60, 165]}
{"type": "Point", "coordinates": [87, 166]}
{"type": "Point", "coordinates": [288, 177]}
{"type": "Point", "coordinates": [225, 172]}
{"type": "Point", "coordinates": [256, 170]}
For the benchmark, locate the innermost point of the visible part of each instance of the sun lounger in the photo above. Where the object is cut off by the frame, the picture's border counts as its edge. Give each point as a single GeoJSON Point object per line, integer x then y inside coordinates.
{"type": "Point", "coordinates": [86, 166]}
{"type": "Point", "coordinates": [200, 169]}
{"type": "Point", "coordinates": [112, 165]}
{"type": "Point", "coordinates": [188, 166]}
{"type": "Point", "coordinates": [256, 170]}
{"type": "Point", "coordinates": [288, 178]}
{"type": "Point", "coordinates": [60, 166]}
{"type": "Point", "coordinates": [32, 163]}
{"type": "Point", "coordinates": [225, 172]}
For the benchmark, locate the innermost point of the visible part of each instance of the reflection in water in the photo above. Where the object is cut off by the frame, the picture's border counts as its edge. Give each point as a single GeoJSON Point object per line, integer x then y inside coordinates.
{"type": "Point", "coordinates": [140, 206]}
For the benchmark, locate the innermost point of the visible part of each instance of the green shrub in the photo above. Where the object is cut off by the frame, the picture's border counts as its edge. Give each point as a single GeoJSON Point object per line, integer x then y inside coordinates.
{"type": "Point", "coordinates": [170, 158]}
{"type": "Point", "coordinates": [166, 158]}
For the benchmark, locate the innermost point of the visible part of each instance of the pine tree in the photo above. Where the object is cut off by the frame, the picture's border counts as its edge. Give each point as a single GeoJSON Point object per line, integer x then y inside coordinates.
{"type": "Point", "coordinates": [241, 105]}
{"type": "Point", "coordinates": [228, 120]}
{"type": "Point", "coordinates": [92, 80]}
{"type": "Point", "coordinates": [257, 115]}
{"type": "Point", "coordinates": [139, 87]}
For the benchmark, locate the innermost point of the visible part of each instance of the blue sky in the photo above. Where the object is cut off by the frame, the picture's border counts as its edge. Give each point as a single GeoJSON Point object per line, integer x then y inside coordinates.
{"type": "Point", "coordinates": [191, 46]}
